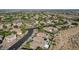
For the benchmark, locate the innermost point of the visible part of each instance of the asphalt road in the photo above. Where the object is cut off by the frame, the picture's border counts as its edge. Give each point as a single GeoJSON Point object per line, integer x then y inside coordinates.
{"type": "Point", "coordinates": [21, 41]}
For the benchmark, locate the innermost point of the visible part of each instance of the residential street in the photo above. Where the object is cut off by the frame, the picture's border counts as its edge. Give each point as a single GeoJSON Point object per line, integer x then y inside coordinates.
{"type": "Point", "coordinates": [21, 41]}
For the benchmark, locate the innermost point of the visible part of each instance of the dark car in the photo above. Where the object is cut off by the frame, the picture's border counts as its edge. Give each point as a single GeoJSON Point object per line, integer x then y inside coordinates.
{"type": "Point", "coordinates": [1, 39]}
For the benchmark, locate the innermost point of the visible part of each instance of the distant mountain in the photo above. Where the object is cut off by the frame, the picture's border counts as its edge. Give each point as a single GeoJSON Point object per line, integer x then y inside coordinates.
{"type": "Point", "coordinates": [40, 10]}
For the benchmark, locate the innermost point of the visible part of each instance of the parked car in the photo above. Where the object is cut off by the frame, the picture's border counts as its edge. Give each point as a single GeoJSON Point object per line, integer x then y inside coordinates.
{"type": "Point", "coordinates": [1, 39]}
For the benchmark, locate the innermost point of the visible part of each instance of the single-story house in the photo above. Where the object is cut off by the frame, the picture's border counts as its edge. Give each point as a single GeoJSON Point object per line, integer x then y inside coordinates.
{"type": "Point", "coordinates": [39, 41]}
{"type": "Point", "coordinates": [10, 38]}
{"type": "Point", "coordinates": [1, 26]}
{"type": "Point", "coordinates": [17, 30]}
{"type": "Point", "coordinates": [17, 22]}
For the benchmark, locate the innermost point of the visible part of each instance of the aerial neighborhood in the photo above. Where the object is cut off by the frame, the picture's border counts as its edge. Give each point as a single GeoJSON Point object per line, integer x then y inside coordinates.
{"type": "Point", "coordinates": [40, 30]}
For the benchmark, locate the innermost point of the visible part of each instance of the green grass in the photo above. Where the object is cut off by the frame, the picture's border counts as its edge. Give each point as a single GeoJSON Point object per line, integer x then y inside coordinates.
{"type": "Point", "coordinates": [5, 33]}
{"type": "Point", "coordinates": [8, 18]}
{"type": "Point", "coordinates": [24, 18]}
{"type": "Point", "coordinates": [23, 28]}
{"type": "Point", "coordinates": [27, 45]}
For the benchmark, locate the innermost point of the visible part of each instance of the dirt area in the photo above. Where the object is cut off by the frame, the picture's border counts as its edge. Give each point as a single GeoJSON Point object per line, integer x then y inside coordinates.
{"type": "Point", "coordinates": [67, 39]}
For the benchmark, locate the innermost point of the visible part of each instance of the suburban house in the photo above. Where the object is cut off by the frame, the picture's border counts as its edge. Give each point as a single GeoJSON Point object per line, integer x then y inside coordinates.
{"type": "Point", "coordinates": [1, 26]}
{"type": "Point", "coordinates": [10, 38]}
{"type": "Point", "coordinates": [17, 30]}
{"type": "Point", "coordinates": [40, 41]}
{"type": "Point", "coordinates": [17, 22]}
{"type": "Point", "coordinates": [51, 29]}
{"type": "Point", "coordinates": [36, 16]}
{"type": "Point", "coordinates": [8, 25]}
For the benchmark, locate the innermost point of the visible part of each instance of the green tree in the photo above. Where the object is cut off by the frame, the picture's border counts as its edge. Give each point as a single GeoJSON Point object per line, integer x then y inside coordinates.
{"type": "Point", "coordinates": [39, 48]}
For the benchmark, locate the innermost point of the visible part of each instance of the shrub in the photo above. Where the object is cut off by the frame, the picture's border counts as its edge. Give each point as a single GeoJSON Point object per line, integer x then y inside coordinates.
{"type": "Point", "coordinates": [74, 24]}
{"type": "Point", "coordinates": [5, 33]}
{"type": "Point", "coordinates": [39, 48]}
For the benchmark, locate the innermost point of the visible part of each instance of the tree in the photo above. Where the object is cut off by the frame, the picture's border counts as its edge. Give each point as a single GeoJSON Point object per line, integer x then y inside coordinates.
{"type": "Point", "coordinates": [39, 48]}
{"type": "Point", "coordinates": [8, 18]}
{"type": "Point", "coordinates": [23, 17]}
{"type": "Point", "coordinates": [76, 19]}
{"type": "Point", "coordinates": [5, 33]}
{"type": "Point", "coordinates": [74, 24]}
